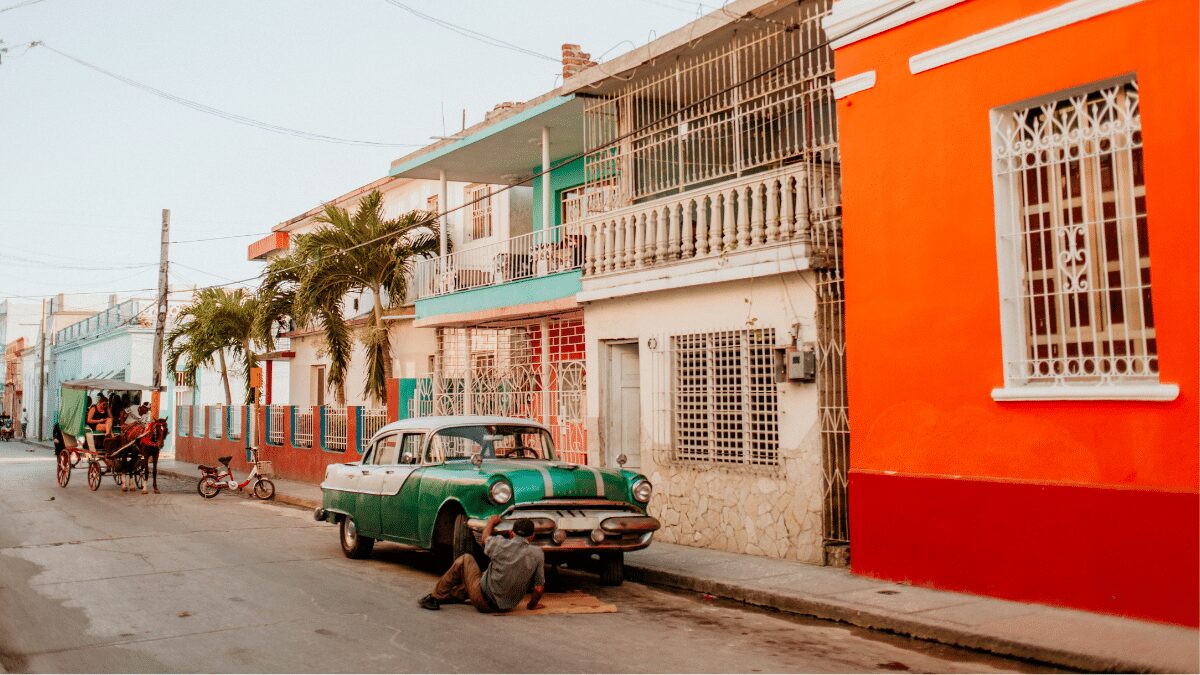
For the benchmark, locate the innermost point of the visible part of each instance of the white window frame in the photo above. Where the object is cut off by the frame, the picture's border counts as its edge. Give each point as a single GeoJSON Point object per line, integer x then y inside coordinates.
{"type": "Point", "coordinates": [1103, 381]}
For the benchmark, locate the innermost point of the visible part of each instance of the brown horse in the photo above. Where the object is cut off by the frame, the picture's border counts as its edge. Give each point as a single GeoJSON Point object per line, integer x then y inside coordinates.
{"type": "Point", "coordinates": [147, 440]}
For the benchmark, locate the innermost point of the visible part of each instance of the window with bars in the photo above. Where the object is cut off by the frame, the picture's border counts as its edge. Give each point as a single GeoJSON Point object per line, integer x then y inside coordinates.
{"type": "Point", "coordinates": [761, 99]}
{"type": "Point", "coordinates": [1073, 247]}
{"type": "Point", "coordinates": [480, 199]}
{"type": "Point", "coordinates": [724, 397]}
{"type": "Point", "coordinates": [432, 204]}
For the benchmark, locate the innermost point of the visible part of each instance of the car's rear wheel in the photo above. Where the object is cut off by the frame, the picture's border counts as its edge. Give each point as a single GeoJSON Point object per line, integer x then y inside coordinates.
{"type": "Point", "coordinates": [612, 568]}
{"type": "Point", "coordinates": [354, 545]}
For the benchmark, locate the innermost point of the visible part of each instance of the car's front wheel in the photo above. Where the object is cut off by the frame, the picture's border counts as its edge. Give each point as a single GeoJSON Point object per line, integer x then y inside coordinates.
{"type": "Point", "coordinates": [354, 545]}
{"type": "Point", "coordinates": [463, 541]}
{"type": "Point", "coordinates": [612, 568]}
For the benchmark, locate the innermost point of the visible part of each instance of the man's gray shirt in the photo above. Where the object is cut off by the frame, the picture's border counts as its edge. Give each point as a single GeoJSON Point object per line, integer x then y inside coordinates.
{"type": "Point", "coordinates": [516, 567]}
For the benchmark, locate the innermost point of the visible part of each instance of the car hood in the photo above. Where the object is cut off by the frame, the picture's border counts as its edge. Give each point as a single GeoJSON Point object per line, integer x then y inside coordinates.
{"type": "Point", "coordinates": [539, 479]}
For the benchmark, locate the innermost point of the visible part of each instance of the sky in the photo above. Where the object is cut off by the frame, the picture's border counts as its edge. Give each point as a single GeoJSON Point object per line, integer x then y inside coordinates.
{"type": "Point", "coordinates": [87, 163]}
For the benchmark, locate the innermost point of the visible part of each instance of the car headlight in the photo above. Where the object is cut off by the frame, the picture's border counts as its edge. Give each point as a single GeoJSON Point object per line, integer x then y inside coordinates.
{"type": "Point", "coordinates": [642, 490]}
{"type": "Point", "coordinates": [501, 492]}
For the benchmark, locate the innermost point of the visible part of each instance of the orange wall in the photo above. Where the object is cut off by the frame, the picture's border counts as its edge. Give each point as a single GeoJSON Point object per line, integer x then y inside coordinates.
{"type": "Point", "coordinates": [923, 328]}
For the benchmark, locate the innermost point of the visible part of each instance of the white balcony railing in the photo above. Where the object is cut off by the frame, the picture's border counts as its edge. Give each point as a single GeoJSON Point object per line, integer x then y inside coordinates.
{"type": "Point", "coordinates": [755, 211]}
{"type": "Point", "coordinates": [595, 200]}
{"type": "Point", "coordinates": [527, 256]}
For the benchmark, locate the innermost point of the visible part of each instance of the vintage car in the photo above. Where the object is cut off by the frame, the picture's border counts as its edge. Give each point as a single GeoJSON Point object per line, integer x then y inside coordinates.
{"type": "Point", "coordinates": [432, 483]}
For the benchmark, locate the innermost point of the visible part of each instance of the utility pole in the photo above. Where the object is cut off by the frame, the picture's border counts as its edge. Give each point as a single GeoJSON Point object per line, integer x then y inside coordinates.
{"type": "Point", "coordinates": [42, 378]}
{"type": "Point", "coordinates": [160, 324]}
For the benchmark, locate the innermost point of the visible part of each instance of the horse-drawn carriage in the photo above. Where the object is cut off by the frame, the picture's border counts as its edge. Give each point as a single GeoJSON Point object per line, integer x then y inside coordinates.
{"type": "Point", "coordinates": [127, 452]}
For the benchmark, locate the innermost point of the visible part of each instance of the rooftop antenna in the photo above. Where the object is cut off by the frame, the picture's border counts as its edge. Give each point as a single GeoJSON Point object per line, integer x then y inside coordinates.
{"type": "Point", "coordinates": [464, 121]}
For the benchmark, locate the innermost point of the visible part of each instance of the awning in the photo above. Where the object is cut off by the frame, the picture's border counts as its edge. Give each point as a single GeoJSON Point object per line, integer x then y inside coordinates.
{"type": "Point", "coordinates": [503, 152]}
{"type": "Point", "coordinates": [100, 384]}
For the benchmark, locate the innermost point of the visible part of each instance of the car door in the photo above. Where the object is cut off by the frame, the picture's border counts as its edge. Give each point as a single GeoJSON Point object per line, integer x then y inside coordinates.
{"type": "Point", "coordinates": [385, 453]}
{"type": "Point", "coordinates": [397, 518]}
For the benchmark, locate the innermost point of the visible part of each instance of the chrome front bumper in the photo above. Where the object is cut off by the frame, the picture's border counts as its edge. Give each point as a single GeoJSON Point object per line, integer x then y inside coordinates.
{"type": "Point", "coordinates": [559, 528]}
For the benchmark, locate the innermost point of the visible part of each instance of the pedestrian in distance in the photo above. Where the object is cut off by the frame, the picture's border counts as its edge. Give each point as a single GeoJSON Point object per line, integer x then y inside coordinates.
{"type": "Point", "coordinates": [24, 421]}
{"type": "Point", "coordinates": [517, 567]}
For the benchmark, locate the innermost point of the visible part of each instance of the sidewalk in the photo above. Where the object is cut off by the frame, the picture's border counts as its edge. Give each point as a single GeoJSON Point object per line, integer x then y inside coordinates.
{"type": "Point", "coordinates": [1051, 635]}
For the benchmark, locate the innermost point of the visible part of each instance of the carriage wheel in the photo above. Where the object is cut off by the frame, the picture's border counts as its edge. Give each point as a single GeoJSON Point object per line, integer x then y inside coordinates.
{"type": "Point", "coordinates": [94, 476]}
{"type": "Point", "coordinates": [64, 469]}
{"type": "Point", "coordinates": [140, 476]}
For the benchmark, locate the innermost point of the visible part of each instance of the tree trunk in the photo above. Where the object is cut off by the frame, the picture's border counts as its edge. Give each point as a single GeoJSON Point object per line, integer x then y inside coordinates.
{"type": "Point", "coordinates": [225, 377]}
{"type": "Point", "coordinates": [385, 344]}
{"type": "Point", "coordinates": [251, 363]}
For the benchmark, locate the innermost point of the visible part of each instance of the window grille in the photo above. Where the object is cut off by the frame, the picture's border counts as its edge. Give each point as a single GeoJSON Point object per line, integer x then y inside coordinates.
{"type": "Point", "coordinates": [1073, 248]}
{"type": "Point", "coordinates": [480, 199]}
{"type": "Point", "coordinates": [760, 99]}
{"type": "Point", "coordinates": [432, 204]}
{"type": "Point", "coordinates": [724, 397]}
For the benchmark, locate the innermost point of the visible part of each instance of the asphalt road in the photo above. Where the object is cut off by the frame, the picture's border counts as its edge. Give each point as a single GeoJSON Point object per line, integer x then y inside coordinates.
{"type": "Point", "coordinates": [112, 582]}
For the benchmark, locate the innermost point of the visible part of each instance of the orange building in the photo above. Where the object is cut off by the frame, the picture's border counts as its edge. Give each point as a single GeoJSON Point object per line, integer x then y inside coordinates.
{"type": "Point", "coordinates": [1020, 207]}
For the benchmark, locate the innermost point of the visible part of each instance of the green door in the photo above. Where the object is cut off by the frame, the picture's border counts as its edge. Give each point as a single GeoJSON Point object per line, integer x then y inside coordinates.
{"type": "Point", "coordinates": [398, 517]}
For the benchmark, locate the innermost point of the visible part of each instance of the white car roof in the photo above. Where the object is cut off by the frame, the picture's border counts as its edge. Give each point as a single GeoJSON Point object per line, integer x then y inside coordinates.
{"type": "Point", "coordinates": [436, 422]}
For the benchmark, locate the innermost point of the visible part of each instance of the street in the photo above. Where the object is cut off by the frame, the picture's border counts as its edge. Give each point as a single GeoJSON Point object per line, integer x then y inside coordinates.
{"type": "Point", "coordinates": [112, 582]}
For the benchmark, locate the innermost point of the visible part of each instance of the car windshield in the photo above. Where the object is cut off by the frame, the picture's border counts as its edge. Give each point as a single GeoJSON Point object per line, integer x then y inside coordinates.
{"type": "Point", "coordinates": [492, 441]}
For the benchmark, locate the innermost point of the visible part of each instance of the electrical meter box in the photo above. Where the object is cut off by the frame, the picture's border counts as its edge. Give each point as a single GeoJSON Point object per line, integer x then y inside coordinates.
{"type": "Point", "coordinates": [801, 364]}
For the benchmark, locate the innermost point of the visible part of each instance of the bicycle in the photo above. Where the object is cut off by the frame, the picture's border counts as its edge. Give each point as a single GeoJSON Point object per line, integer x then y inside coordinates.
{"type": "Point", "coordinates": [214, 479]}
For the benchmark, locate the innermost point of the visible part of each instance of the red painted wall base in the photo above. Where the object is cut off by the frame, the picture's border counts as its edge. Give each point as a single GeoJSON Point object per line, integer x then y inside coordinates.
{"type": "Point", "coordinates": [1119, 551]}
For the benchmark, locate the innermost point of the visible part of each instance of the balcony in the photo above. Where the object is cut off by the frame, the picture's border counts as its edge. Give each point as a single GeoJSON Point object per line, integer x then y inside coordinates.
{"type": "Point", "coordinates": [528, 256]}
{"type": "Point", "coordinates": [714, 230]}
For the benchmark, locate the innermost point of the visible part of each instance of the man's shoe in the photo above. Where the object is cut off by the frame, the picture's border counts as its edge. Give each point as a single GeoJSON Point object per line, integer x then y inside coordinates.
{"type": "Point", "coordinates": [429, 602]}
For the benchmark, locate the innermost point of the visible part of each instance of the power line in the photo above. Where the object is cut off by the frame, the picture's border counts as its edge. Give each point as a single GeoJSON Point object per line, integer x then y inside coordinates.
{"type": "Point", "coordinates": [230, 236]}
{"type": "Point", "coordinates": [565, 161]}
{"type": "Point", "coordinates": [19, 5]}
{"type": "Point", "coordinates": [472, 34]}
{"type": "Point", "coordinates": [615, 141]}
{"type": "Point", "coordinates": [232, 117]}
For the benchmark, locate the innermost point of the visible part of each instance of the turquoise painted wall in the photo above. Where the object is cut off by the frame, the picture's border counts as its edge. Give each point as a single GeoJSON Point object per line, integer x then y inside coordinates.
{"type": "Point", "coordinates": [561, 179]}
{"type": "Point", "coordinates": [540, 289]}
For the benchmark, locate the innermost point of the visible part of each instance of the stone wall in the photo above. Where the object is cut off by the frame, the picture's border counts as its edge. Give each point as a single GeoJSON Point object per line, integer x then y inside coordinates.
{"type": "Point", "coordinates": [777, 514]}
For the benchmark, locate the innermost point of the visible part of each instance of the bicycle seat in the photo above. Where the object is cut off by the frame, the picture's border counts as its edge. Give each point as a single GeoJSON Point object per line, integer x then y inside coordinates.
{"type": "Point", "coordinates": [225, 460]}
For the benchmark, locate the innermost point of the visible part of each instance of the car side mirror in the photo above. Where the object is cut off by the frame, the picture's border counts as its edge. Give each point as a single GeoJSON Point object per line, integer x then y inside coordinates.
{"type": "Point", "coordinates": [477, 460]}
{"type": "Point", "coordinates": [621, 459]}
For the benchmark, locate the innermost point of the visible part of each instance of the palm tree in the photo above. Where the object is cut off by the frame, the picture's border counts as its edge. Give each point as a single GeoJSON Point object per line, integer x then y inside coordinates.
{"type": "Point", "coordinates": [218, 320]}
{"type": "Point", "coordinates": [360, 252]}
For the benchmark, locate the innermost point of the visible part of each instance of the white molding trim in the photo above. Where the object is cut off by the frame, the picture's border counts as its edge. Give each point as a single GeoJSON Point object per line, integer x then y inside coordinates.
{"type": "Point", "coordinates": [853, 84]}
{"type": "Point", "coordinates": [854, 20]}
{"type": "Point", "coordinates": [1083, 392]}
{"type": "Point", "coordinates": [781, 258]}
{"type": "Point", "coordinates": [1015, 31]}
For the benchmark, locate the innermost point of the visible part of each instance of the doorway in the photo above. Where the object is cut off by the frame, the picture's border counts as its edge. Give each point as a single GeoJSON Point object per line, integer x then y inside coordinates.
{"type": "Point", "coordinates": [623, 405]}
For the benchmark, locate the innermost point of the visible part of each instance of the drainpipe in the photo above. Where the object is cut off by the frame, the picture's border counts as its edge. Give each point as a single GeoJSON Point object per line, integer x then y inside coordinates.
{"type": "Point", "coordinates": [443, 206]}
{"type": "Point", "coordinates": [547, 193]}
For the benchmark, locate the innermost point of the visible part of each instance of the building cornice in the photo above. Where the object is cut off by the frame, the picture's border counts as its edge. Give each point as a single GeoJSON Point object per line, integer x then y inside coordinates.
{"type": "Point", "coordinates": [854, 20]}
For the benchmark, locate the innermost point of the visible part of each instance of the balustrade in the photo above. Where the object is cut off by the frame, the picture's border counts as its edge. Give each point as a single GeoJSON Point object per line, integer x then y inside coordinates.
{"type": "Point", "coordinates": [536, 254]}
{"type": "Point", "coordinates": [759, 210]}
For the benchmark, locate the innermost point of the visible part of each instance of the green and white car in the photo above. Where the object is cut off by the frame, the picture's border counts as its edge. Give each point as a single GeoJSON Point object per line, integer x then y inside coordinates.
{"type": "Point", "coordinates": [432, 482]}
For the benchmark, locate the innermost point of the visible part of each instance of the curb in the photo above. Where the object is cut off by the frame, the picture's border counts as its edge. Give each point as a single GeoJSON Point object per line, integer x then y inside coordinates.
{"type": "Point", "coordinates": [279, 498]}
{"type": "Point", "coordinates": [856, 615]}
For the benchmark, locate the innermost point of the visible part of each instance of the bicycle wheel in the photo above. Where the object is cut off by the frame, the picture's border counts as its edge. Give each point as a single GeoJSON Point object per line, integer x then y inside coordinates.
{"type": "Point", "coordinates": [208, 487]}
{"type": "Point", "coordinates": [264, 488]}
{"type": "Point", "coordinates": [64, 469]}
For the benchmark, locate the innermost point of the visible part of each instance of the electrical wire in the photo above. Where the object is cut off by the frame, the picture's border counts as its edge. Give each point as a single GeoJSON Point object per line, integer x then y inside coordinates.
{"type": "Point", "coordinates": [615, 141]}
{"type": "Point", "coordinates": [567, 160]}
{"type": "Point", "coordinates": [230, 236]}
{"type": "Point", "coordinates": [19, 5]}
{"type": "Point", "coordinates": [216, 112]}
{"type": "Point", "coordinates": [472, 34]}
